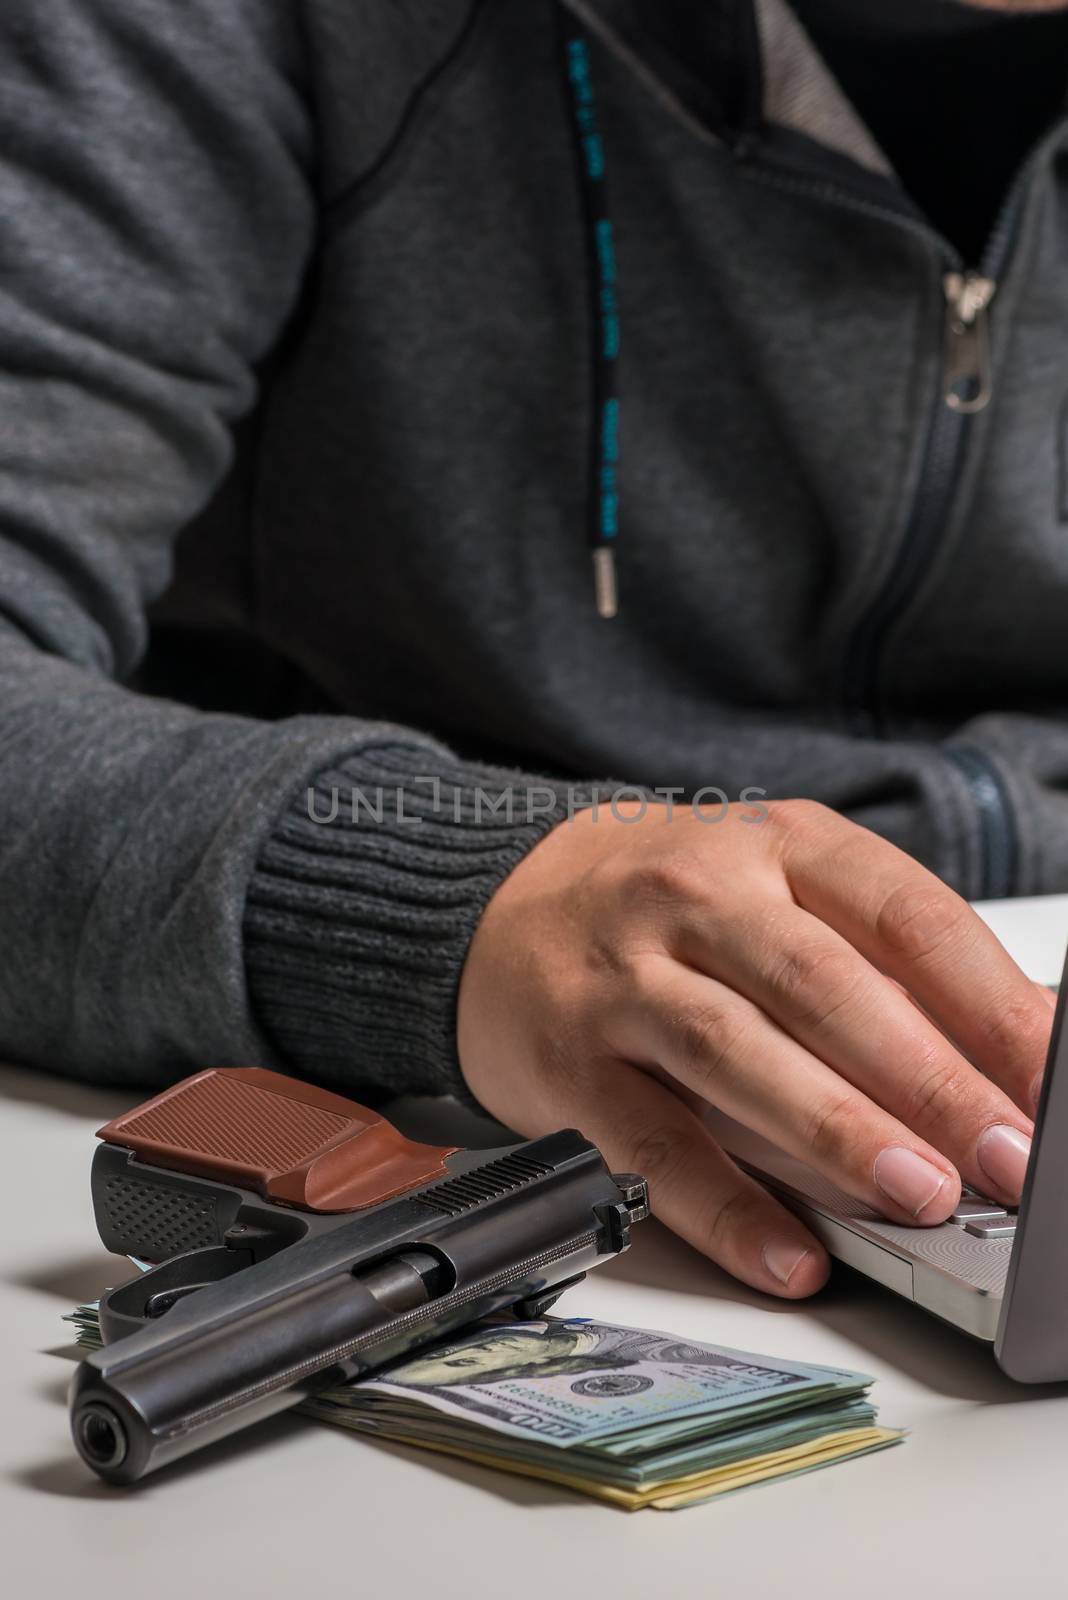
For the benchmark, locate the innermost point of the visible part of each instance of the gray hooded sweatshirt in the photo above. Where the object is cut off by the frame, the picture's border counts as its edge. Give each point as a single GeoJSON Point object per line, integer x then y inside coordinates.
{"type": "Point", "coordinates": [334, 340]}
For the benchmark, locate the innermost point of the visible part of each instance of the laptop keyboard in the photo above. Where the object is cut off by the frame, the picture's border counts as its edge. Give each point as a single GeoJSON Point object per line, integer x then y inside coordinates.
{"type": "Point", "coordinates": [982, 1218]}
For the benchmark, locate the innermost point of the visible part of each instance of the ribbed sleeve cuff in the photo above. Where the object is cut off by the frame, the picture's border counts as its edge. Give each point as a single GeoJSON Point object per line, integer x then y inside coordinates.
{"type": "Point", "coordinates": [363, 904]}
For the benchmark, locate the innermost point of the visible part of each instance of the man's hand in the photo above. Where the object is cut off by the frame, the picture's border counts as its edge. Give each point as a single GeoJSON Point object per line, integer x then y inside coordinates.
{"type": "Point", "coordinates": [801, 974]}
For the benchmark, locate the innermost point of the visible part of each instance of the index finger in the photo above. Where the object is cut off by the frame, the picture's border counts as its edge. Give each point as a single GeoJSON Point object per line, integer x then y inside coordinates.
{"type": "Point", "coordinates": [917, 930]}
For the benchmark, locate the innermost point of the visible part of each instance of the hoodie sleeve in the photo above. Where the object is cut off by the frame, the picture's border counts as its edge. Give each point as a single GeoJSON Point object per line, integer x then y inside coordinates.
{"type": "Point", "coordinates": [156, 218]}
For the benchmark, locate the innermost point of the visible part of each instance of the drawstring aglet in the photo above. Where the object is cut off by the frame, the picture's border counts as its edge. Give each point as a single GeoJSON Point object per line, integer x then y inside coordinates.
{"type": "Point", "coordinates": [604, 582]}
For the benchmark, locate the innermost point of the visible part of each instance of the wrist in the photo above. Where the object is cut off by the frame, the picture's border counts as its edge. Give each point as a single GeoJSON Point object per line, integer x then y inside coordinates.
{"type": "Point", "coordinates": [362, 908]}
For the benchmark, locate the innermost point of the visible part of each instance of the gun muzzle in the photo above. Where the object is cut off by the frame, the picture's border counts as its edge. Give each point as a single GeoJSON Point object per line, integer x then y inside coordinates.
{"type": "Point", "coordinates": [137, 1415]}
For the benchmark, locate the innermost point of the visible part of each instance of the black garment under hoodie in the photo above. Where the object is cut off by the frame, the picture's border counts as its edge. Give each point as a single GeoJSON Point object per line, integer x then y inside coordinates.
{"type": "Point", "coordinates": [956, 95]}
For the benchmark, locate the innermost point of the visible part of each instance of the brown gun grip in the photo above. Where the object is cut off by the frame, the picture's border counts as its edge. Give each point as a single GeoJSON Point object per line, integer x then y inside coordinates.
{"type": "Point", "coordinates": [288, 1140]}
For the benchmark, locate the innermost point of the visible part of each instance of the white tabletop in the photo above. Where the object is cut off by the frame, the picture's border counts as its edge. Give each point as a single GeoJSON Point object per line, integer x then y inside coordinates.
{"type": "Point", "coordinates": [972, 1504]}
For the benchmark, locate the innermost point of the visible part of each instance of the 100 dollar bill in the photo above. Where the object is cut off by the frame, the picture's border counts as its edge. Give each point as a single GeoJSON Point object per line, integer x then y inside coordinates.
{"type": "Point", "coordinates": [572, 1381]}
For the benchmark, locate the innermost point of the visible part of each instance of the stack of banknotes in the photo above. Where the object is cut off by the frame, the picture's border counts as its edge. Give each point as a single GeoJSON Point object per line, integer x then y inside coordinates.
{"type": "Point", "coordinates": [631, 1417]}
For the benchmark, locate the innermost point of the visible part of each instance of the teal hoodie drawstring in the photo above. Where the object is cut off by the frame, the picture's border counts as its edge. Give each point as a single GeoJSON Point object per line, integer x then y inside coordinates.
{"type": "Point", "coordinates": [603, 491]}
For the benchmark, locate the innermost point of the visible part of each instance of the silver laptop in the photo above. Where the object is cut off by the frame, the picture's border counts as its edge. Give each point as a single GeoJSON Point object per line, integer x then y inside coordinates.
{"type": "Point", "coordinates": [1000, 1275]}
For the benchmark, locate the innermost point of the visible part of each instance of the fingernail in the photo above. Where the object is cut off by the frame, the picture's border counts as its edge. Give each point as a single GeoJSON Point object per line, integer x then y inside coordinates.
{"type": "Point", "coordinates": [1002, 1152]}
{"type": "Point", "coordinates": [782, 1257]}
{"type": "Point", "coordinates": [907, 1179]}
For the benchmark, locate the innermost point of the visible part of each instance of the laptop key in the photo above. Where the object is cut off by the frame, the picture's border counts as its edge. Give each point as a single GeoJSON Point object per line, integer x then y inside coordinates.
{"type": "Point", "coordinates": [972, 1209]}
{"type": "Point", "coordinates": [991, 1227]}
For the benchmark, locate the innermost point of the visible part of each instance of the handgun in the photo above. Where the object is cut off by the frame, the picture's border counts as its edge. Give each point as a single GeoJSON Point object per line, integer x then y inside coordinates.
{"type": "Point", "coordinates": [300, 1241]}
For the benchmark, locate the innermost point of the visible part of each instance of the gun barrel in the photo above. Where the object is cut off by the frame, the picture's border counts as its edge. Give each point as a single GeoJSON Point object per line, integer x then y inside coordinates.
{"type": "Point", "coordinates": [144, 1402]}
{"type": "Point", "coordinates": [140, 1414]}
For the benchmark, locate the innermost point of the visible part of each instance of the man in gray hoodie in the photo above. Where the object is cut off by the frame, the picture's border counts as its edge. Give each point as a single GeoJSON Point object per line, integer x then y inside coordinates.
{"type": "Point", "coordinates": [418, 418]}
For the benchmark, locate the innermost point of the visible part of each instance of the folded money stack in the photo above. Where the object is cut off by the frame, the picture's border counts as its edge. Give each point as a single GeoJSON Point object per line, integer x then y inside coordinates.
{"type": "Point", "coordinates": [628, 1416]}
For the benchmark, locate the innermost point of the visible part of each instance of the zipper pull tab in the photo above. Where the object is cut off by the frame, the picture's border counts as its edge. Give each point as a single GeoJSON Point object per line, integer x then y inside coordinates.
{"type": "Point", "coordinates": [968, 376]}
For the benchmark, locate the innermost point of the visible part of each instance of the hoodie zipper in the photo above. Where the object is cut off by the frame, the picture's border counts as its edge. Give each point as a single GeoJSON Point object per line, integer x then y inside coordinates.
{"type": "Point", "coordinates": [968, 378]}
{"type": "Point", "coordinates": [965, 388]}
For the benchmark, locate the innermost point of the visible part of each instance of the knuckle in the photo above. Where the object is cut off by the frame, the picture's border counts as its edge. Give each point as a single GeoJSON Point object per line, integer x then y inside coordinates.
{"type": "Point", "coordinates": [667, 876]}
{"type": "Point", "coordinates": [658, 1155]}
{"type": "Point", "coordinates": [729, 1215]}
{"type": "Point", "coordinates": [938, 1094]}
{"type": "Point", "coordinates": [816, 980]}
{"type": "Point", "coordinates": [915, 921]}
{"type": "Point", "coordinates": [1020, 1027]}
{"type": "Point", "coordinates": [832, 1132]}
{"type": "Point", "coordinates": [799, 816]}
{"type": "Point", "coordinates": [606, 958]}
{"type": "Point", "coordinates": [708, 1037]}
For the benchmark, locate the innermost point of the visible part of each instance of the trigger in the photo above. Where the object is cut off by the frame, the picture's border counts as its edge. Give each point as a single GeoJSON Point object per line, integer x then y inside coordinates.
{"type": "Point", "coordinates": [148, 1296]}
{"type": "Point", "coordinates": [157, 1304]}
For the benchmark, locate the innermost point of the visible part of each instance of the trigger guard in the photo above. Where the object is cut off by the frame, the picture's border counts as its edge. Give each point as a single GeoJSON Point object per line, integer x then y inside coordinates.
{"type": "Point", "coordinates": [125, 1309]}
